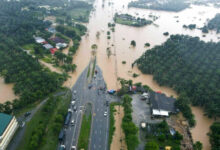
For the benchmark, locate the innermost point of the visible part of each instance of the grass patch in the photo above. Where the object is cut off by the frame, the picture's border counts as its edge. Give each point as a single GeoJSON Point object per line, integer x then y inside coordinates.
{"type": "Point", "coordinates": [47, 60]}
{"type": "Point", "coordinates": [93, 67]}
{"type": "Point", "coordinates": [28, 46]}
{"type": "Point", "coordinates": [88, 71]}
{"type": "Point", "coordinates": [112, 122]}
{"type": "Point", "coordinates": [80, 14]}
{"type": "Point", "coordinates": [83, 141]}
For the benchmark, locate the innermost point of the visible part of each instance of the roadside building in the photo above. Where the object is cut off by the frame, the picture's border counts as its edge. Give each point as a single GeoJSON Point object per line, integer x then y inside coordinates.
{"type": "Point", "coordinates": [161, 105]}
{"type": "Point", "coordinates": [47, 46]}
{"type": "Point", "coordinates": [8, 126]}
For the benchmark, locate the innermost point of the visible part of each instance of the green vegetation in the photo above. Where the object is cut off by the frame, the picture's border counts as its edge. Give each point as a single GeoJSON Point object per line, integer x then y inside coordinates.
{"type": "Point", "coordinates": [215, 135]}
{"type": "Point", "coordinates": [190, 26]}
{"type": "Point", "coordinates": [135, 75]}
{"type": "Point", "coordinates": [166, 33]}
{"type": "Point", "coordinates": [213, 24]}
{"type": "Point", "coordinates": [123, 62]}
{"type": "Point", "coordinates": [191, 68]}
{"type": "Point", "coordinates": [169, 5]}
{"type": "Point", "coordinates": [88, 73]}
{"type": "Point", "coordinates": [128, 126]}
{"type": "Point", "coordinates": [93, 67]}
{"type": "Point", "coordinates": [83, 140]}
{"type": "Point", "coordinates": [197, 146]}
{"type": "Point", "coordinates": [129, 20]}
{"type": "Point", "coordinates": [147, 44]}
{"type": "Point", "coordinates": [133, 43]}
{"type": "Point", "coordinates": [158, 135]}
{"type": "Point", "coordinates": [112, 122]}
{"type": "Point", "coordinates": [46, 124]}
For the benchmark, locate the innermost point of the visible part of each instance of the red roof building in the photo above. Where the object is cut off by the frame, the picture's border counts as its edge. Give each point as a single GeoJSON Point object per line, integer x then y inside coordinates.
{"type": "Point", "coordinates": [53, 50]}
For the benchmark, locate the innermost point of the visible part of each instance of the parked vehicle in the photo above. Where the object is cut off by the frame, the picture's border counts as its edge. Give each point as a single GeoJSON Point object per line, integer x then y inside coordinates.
{"type": "Point", "coordinates": [105, 113]}
{"type": "Point", "coordinates": [61, 135]}
{"type": "Point", "coordinates": [107, 103]}
{"type": "Point", "coordinates": [73, 103]}
{"type": "Point", "coordinates": [67, 119]}
{"type": "Point", "coordinates": [62, 147]}
{"type": "Point", "coordinates": [73, 148]}
{"type": "Point", "coordinates": [27, 114]}
{"type": "Point", "coordinates": [74, 108]}
{"type": "Point", "coordinates": [73, 122]}
{"type": "Point", "coordinates": [111, 91]}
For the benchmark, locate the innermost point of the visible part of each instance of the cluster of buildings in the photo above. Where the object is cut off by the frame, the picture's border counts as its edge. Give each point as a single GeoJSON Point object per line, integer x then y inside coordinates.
{"type": "Point", "coordinates": [8, 126]}
{"type": "Point", "coordinates": [60, 43]}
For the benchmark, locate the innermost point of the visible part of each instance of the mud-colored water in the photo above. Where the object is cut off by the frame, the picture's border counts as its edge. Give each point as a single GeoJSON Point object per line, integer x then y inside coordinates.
{"type": "Point", "coordinates": [203, 123]}
{"type": "Point", "coordinates": [6, 91]}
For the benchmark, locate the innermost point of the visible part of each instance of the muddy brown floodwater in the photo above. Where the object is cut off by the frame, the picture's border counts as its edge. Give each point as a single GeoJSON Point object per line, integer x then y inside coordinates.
{"type": "Point", "coordinates": [6, 91]}
{"type": "Point", "coordinates": [119, 43]}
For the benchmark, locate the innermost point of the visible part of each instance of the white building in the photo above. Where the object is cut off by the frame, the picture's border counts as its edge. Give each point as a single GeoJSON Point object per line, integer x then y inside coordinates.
{"type": "Point", "coordinates": [8, 126]}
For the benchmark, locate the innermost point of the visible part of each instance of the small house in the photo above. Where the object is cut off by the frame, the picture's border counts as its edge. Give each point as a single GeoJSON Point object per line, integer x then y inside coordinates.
{"type": "Point", "coordinates": [61, 45]}
{"type": "Point", "coordinates": [47, 46]}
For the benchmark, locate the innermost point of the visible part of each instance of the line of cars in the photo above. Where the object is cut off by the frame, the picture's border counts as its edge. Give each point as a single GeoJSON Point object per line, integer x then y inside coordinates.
{"type": "Point", "coordinates": [62, 133]}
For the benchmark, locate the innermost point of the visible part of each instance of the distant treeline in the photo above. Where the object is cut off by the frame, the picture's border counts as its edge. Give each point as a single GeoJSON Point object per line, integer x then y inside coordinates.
{"type": "Point", "coordinates": [169, 5]}
{"type": "Point", "coordinates": [213, 24]}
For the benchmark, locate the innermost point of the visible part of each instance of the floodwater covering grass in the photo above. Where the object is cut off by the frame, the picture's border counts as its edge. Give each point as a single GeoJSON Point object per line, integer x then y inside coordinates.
{"type": "Point", "coordinates": [83, 140]}
{"type": "Point", "coordinates": [43, 129]}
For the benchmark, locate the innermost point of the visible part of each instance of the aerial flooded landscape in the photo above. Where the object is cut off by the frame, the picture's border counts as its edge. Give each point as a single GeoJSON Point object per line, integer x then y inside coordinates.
{"type": "Point", "coordinates": [110, 75]}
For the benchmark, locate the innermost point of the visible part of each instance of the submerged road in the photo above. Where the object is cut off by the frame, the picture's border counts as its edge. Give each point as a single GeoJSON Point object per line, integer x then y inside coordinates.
{"type": "Point", "coordinates": [94, 93]}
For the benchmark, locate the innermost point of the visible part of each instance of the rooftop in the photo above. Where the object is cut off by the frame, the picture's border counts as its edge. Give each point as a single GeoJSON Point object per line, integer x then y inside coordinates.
{"type": "Point", "coordinates": [162, 102]}
{"type": "Point", "coordinates": [5, 119]}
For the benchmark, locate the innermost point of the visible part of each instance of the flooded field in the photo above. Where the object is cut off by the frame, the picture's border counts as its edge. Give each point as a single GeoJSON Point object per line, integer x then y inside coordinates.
{"type": "Point", "coordinates": [6, 91]}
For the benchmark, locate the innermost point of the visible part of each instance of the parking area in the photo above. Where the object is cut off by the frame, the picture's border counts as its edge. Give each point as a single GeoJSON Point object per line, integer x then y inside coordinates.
{"type": "Point", "coordinates": [141, 111]}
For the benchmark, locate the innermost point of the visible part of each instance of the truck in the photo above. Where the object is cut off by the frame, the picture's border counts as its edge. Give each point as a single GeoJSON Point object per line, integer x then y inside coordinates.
{"type": "Point", "coordinates": [67, 119]}
{"type": "Point", "coordinates": [61, 136]}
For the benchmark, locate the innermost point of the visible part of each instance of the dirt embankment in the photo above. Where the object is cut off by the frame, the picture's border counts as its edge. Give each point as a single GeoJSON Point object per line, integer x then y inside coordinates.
{"type": "Point", "coordinates": [118, 141]}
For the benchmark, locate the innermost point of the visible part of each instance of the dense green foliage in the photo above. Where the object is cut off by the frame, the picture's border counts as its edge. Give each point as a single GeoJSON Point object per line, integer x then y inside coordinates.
{"type": "Point", "coordinates": [127, 19]}
{"type": "Point", "coordinates": [215, 136]}
{"type": "Point", "coordinates": [158, 135]}
{"type": "Point", "coordinates": [190, 26]}
{"type": "Point", "coordinates": [190, 67]}
{"type": "Point", "coordinates": [214, 23]}
{"type": "Point", "coordinates": [197, 146]}
{"type": "Point", "coordinates": [152, 145]}
{"type": "Point", "coordinates": [128, 126]}
{"type": "Point", "coordinates": [169, 5]}
{"type": "Point", "coordinates": [46, 124]}
{"type": "Point", "coordinates": [133, 43]}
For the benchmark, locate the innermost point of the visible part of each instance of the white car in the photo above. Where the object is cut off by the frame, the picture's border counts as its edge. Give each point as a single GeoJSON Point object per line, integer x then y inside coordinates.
{"type": "Point", "coordinates": [73, 148]}
{"type": "Point", "coordinates": [72, 122]}
{"type": "Point", "coordinates": [105, 113]}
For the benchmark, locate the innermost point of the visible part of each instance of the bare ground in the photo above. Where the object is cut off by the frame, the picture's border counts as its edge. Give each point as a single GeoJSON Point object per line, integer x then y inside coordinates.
{"type": "Point", "coordinates": [118, 141]}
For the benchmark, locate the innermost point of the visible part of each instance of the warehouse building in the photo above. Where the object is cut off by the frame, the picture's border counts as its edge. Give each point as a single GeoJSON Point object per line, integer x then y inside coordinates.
{"type": "Point", "coordinates": [8, 126]}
